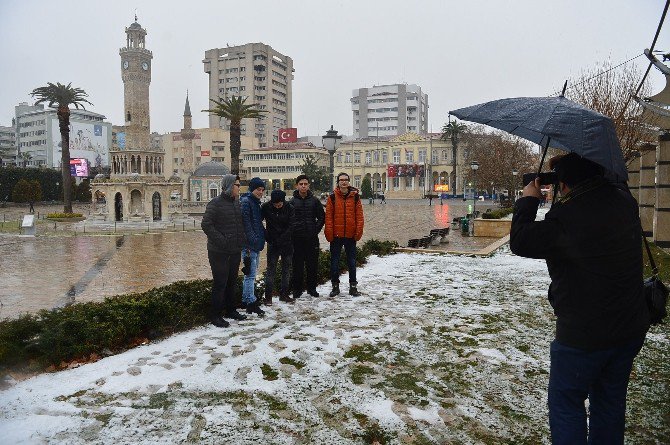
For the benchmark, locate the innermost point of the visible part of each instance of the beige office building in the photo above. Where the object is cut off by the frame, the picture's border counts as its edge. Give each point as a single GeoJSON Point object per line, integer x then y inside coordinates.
{"type": "Point", "coordinates": [398, 166]}
{"type": "Point", "coordinates": [259, 73]}
{"type": "Point", "coordinates": [280, 165]}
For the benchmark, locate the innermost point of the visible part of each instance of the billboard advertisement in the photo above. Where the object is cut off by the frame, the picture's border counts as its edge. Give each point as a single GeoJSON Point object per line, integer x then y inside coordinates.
{"type": "Point", "coordinates": [287, 135]}
{"type": "Point", "coordinates": [87, 141]}
{"type": "Point", "coordinates": [79, 167]}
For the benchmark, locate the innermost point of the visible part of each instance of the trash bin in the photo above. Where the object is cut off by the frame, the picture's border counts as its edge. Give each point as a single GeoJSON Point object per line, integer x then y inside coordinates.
{"type": "Point", "coordinates": [465, 226]}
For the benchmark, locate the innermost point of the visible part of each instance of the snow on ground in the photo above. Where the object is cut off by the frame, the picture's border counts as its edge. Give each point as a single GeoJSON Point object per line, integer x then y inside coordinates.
{"type": "Point", "coordinates": [439, 349]}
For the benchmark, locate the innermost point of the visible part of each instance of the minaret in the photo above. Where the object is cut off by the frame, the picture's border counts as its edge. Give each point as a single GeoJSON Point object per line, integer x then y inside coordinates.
{"type": "Point", "coordinates": [136, 75]}
{"type": "Point", "coordinates": [187, 135]}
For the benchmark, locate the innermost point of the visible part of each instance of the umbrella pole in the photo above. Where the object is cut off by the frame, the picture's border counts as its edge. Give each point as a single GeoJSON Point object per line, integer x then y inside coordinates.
{"type": "Point", "coordinates": [546, 147]}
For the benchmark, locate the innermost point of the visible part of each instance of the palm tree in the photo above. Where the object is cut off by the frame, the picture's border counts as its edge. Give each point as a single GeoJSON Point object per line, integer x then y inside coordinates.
{"type": "Point", "coordinates": [234, 109]}
{"type": "Point", "coordinates": [452, 131]}
{"type": "Point", "coordinates": [26, 157]}
{"type": "Point", "coordinates": [63, 96]}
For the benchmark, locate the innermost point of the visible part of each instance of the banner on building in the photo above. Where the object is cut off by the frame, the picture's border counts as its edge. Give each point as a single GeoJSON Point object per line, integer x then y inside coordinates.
{"type": "Point", "coordinates": [287, 135]}
{"type": "Point", "coordinates": [79, 167]}
{"type": "Point", "coordinates": [204, 152]}
{"type": "Point", "coordinates": [405, 170]}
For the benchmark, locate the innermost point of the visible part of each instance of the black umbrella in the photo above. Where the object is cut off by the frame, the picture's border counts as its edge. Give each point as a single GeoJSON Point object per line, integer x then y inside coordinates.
{"type": "Point", "coordinates": [554, 121]}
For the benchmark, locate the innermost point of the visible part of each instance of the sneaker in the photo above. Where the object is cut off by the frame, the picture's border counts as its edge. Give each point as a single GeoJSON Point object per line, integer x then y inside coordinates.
{"type": "Point", "coordinates": [255, 308]}
{"type": "Point", "coordinates": [296, 295]}
{"type": "Point", "coordinates": [353, 291]}
{"type": "Point", "coordinates": [219, 322]}
{"type": "Point", "coordinates": [286, 299]}
{"type": "Point", "coordinates": [236, 316]}
{"type": "Point", "coordinates": [336, 290]}
{"type": "Point", "coordinates": [313, 293]}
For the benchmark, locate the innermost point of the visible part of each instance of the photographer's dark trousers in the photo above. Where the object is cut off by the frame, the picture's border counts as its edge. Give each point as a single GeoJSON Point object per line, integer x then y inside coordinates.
{"type": "Point", "coordinates": [286, 255]}
{"type": "Point", "coordinates": [224, 272]}
{"type": "Point", "coordinates": [349, 245]}
{"type": "Point", "coordinates": [305, 256]}
{"type": "Point", "coordinates": [602, 377]}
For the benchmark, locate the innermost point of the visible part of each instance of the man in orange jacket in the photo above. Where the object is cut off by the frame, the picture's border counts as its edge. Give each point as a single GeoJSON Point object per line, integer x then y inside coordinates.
{"type": "Point", "coordinates": [343, 227]}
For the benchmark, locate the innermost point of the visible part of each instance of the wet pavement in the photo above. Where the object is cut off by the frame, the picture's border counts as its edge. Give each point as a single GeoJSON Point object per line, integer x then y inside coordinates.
{"type": "Point", "coordinates": [60, 266]}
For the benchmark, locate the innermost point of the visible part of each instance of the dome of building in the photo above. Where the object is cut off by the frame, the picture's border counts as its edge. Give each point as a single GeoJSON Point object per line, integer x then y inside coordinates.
{"type": "Point", "coordinates": [135, 25]}
{"type": "Point", "coordinates": [212, 168]}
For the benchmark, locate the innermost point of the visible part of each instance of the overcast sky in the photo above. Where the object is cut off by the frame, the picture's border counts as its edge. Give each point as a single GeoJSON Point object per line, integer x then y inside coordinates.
{"type": "Point", "coordinates": [460, 52]}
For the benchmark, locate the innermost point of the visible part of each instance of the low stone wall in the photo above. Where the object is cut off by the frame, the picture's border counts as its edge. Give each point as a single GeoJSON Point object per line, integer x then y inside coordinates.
{"type": "Point", "coordinates": [493, 228]}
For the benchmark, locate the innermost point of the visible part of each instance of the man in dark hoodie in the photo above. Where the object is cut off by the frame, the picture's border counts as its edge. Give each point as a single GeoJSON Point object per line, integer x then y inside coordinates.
{"type": "Point", "coordinates": [255, 232]}
{"type": "Point", "coordinates": [222, 223]}
{"type": "Point", "coordinates": [279, 219]}
{"type": "Point", "coordinates": [591, 240]}
{"type": "Point", "coordinates": [309, 218]}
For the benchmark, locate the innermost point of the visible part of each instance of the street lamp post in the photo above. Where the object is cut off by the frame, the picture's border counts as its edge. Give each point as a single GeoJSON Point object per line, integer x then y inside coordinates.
{"type": "Point", "coordinates": [474, 166]}
{"type": "Point", "coordinates": [330, 142]}
{"type": "Point", "coordinates": [514, 173]}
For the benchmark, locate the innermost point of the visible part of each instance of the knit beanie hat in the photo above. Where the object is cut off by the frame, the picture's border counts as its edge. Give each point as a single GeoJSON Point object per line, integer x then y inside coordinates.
{"type": "Point", "coordinates": [277, 196]}
{"type": "Point", "coordinates": [255, 183]}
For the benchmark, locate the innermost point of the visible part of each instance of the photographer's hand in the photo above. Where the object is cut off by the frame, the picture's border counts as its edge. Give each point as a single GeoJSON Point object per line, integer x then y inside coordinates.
{"type": "Point", "coordinates": [533, 189]}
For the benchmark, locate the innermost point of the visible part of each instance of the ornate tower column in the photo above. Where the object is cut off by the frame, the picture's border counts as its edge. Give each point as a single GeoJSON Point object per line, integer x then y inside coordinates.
{"type": "Point", "coordinates": [136, 75]}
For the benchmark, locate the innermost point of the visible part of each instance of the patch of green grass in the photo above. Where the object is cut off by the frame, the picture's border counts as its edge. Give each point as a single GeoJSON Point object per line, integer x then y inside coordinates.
{"type": "Point", "coordinates": [362, 353]}
{"type": "Point", "coordinates": [358, 373]}
{"type": "Point", "coordinates": [268, 372]}
{"type": "Point", "coordinates": [374, 433]}
{"type": "Point", "coordinates": [103, 418]}
{"type": "Point", "coordinates": [523, 348]}
{"type": "Point", "coordinates": [274, 404]}
{"type": "Point", "coordinates": [290, 361]}
{"type": "Point", "coordinates": [406, 383]}
{"type": "Point", "coordinates": [160, 400]}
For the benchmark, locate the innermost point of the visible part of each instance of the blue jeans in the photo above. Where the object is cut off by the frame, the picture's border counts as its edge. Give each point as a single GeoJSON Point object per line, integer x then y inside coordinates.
{"type": "Point", "coordinates": [602, 377]}
{"type": "Point", "coordinates": [248, 295]}
{"type": "Point", "coordinates": [336, 245]}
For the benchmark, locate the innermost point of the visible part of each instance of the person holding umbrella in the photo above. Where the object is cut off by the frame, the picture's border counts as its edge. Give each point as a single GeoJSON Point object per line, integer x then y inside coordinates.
{"type": "Point", "coordinates": [591, 241]}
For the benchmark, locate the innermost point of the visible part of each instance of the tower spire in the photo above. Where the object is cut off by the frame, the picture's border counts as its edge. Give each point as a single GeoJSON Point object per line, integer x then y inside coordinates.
{"type": "Point", "coordinates": [187, 108]}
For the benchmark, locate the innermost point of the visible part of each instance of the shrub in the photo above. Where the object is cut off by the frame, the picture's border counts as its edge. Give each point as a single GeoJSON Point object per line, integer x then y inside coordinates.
{"type": "Point", "coordinates": [64, 215]}
{"type": "Point", "coordinates": [497, 214]}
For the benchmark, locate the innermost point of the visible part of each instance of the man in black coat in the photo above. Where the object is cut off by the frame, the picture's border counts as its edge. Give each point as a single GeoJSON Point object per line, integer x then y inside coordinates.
{"type": "Point", "coordinates": [591, 240]}
{"type": "Point", "coordinates": [309, 219]}
{"type": "Point", "coordinates": [222, 223]}
{"type": "Point", "coordinates": [279, 220]}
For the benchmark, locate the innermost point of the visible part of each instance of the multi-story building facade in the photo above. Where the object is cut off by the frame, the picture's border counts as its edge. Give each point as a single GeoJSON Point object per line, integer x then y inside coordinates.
{"type": "Point", "coordinates": [389, 110]}
{"type": "Point", "coordinates": [38, 140]}
{"type": "Point", "coordinates": [260, 74]}
{"type": "Point", "coordinates": [7, 146]}
{"type": "Point", "coordinates": [399, 165]}
{"type": "Point", "coordinates": [280, 165]}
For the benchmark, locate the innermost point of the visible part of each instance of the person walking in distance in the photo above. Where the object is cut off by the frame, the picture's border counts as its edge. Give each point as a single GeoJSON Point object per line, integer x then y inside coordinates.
{"type": "Point", "coordinates": [343, 228]}
{"type": "Point", "coordinates": [309, 219]}
{"type": "Point", "coordinates": [279, 219]}
{"type": "Point", "coordinates": [222, 223]}
{"type": "Point", "coordinates": [591, 240]}
{"type": "Point", "coordinates": [255, 233]}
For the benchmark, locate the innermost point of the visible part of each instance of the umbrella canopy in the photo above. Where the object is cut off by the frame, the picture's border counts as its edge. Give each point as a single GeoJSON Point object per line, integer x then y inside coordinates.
{"type": "Point", "coordinates": [554, 121]}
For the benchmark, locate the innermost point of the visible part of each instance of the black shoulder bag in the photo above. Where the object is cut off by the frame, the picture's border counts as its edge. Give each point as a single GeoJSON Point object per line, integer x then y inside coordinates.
{"type": "Point", "coordinates": [655, 292]}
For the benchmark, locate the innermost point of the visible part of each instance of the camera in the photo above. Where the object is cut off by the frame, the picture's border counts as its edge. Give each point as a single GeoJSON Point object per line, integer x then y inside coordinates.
{"type": "Point", "coordinates": [546, 178]}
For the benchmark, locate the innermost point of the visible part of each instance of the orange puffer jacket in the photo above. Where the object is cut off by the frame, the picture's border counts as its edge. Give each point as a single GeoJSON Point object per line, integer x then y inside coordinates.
{"type": "Point", "coordinates": [344, 218]}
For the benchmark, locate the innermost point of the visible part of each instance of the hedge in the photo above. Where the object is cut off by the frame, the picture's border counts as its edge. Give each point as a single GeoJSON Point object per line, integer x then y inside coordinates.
{"type": "Point", "coordinates": [75, 333]}
{"type": "Point", "coordinates": [498, 214]}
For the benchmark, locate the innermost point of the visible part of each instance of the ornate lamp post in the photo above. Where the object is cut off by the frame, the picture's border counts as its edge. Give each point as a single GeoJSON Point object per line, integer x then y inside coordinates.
{"type": "Point", "coordinates": [474, 166]}
{"type": "Point", "coordinates": [515, 172]}
{"type": "Point", "coordinates": [330, 142]}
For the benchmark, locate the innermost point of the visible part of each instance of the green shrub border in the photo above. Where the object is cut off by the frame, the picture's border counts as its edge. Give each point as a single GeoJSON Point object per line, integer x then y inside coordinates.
{"type": "Point", "coordinates": [498, 214]}
{"type": "Point", "coordinates": [35, 342]}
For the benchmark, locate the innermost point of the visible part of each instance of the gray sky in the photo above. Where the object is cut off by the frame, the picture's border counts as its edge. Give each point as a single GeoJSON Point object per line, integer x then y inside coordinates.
{"type": "Point", "coordinates": [460, 52]}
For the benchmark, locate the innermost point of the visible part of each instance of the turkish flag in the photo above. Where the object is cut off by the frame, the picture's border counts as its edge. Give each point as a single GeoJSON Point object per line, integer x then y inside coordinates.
{"type": "Point", "coordinates": [288, 135]}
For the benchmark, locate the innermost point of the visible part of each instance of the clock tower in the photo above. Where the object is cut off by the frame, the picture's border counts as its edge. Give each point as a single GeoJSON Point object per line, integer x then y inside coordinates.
{"type": "Point", "coordinates": [136, 75]}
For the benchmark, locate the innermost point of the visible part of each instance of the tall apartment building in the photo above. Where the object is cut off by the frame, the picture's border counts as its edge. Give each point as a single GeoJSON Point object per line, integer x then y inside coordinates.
{"type": "Point", "coordinates": [38, 136]}
{"type": "Point", "coordinates": [389, 110]}
{"type": "Point", "coordinates": [259, 73]}
{"type": "Point", "coordinates": [7, 146]}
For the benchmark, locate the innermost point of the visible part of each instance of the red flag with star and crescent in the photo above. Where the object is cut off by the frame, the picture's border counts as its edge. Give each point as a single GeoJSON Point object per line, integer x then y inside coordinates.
{"type": "Point", "coordinates": [287, 135]}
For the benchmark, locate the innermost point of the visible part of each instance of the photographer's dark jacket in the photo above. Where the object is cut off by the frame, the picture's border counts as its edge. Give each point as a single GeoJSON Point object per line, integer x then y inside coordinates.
{"type": "Point", "coordinates": [309, 216]}
{"type": "Point", "coordinates": [279, 224]}
{"type": "Point", "coordinates": [591, 240]}
{"type": "Point", "coordinates": [222, 223]}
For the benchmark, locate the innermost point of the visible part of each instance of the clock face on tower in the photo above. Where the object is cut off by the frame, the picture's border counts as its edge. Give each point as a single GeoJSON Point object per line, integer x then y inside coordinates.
{"type": "Point", "coordinates": [145, 66]}
{"type": "Point", "coordinates": [125, 64]}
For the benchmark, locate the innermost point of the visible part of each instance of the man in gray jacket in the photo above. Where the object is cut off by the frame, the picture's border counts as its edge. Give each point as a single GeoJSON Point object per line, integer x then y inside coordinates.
{"type": "Point", "coordinates": [222, 223]}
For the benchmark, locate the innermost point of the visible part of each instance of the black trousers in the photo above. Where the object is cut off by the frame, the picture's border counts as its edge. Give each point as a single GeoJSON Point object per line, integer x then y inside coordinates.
{"type": "Point", "coordinates": [224, 272]}
{"type": "Point", "coordinates": [305, 256]}
{"type": "Point", "coordinates": [274, 253]}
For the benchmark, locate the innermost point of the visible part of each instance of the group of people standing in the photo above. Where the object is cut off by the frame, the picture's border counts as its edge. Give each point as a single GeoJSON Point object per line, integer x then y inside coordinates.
{"type": "Point", "coordinates": [235, 233]}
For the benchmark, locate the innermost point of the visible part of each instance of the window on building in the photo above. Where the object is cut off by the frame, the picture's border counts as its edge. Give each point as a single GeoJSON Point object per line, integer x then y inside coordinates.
{"type": "Point", "coordinates": [396, 183]}
{"type": "Point", "coordinates": [357, 157]}
{"type": "Point", "coordinates": [409, 156]}
{"type": "Point", "coordinates": [385, 157]}
{"type": "Point", "coordinates": [422, 155]}
{"type": "Point", "coordinates": [396, 156]}
{"type": "Point", "coordinates": [368, 158]}
{"type": "Point", "coordinates": [409, 182]}
{"type": "Point", "coordinates": [444, 155]}
{"type": "Point", "coordinates": [347, 158]}
{"type": "Point", "coordinates": [213, 192]}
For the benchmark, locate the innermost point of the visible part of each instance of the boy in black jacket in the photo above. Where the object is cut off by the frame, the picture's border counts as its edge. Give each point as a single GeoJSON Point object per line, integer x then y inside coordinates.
{"type": "Point", "coordinates": [279, 220]}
